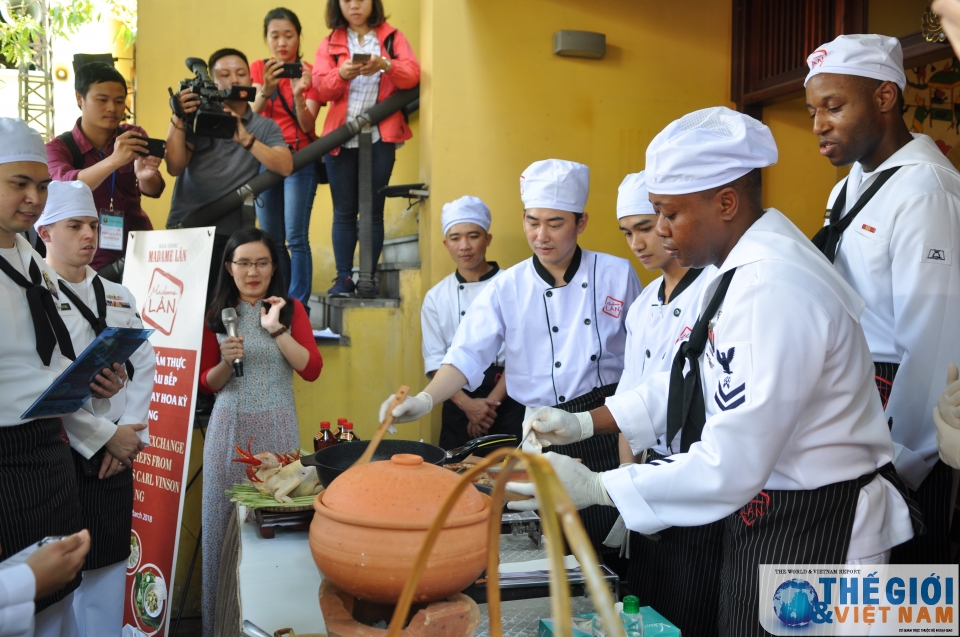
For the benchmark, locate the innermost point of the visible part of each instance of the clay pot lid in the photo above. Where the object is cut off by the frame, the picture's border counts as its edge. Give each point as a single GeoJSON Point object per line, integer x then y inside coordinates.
{"type": "Point", "coordinates": [402, 493]}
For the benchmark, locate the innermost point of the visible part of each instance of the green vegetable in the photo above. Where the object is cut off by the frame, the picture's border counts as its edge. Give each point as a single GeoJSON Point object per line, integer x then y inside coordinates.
{"type": "Point", "coordinates": [248, 496]}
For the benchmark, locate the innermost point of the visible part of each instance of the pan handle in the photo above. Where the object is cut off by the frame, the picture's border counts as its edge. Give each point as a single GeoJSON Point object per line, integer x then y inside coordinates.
{"type": "Point", "coordinates": [483, 442]}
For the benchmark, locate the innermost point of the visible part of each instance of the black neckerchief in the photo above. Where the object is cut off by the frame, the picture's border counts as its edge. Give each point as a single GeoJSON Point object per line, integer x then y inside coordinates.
{"type": "Point", "coordinates": [47, 324]}
{"type": "Point", "coordinates": [567, 276]}
{"type": "Point", "coordinates": [486, 277]}
{"type": "Point", "coordinates": [828, 237]}
{"type": "Point", "coordinates": [686, 411]}
{"type": "Point", "coordinates": [689, 277]}
{"type": "Point", "coordinates": [99, 321]}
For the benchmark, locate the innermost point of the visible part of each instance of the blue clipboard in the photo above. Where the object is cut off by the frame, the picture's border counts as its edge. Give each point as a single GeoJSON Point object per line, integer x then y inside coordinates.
{"type": "Point", "coordinates": [71, 390]}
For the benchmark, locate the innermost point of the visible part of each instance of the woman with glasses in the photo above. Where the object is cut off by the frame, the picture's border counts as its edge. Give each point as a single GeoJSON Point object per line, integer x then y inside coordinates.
{"type": "Point", "coordinates": [274, 340]}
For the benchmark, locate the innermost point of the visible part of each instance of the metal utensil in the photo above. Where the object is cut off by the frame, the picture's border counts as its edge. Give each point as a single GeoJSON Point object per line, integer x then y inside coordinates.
{"type": "Point", "coordinates": [252, 630]}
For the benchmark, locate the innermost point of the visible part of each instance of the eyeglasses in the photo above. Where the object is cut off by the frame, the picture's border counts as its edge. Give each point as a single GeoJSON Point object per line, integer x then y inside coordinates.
{"type": "Point", "coordinates": [246, 265]}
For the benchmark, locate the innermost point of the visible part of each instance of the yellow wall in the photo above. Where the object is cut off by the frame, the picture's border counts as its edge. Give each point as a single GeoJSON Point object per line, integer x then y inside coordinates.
{"type": "Point", "coordinates": [500, 99]}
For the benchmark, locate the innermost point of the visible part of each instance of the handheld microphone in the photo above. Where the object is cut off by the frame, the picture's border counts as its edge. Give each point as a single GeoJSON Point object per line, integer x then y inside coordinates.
{"type": "Point", "coordinates": [230, 321]}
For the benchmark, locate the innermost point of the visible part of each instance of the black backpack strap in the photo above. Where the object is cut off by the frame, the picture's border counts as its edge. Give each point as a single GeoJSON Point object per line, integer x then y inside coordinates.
{"type": "Point", "coordinates": [67, 138]}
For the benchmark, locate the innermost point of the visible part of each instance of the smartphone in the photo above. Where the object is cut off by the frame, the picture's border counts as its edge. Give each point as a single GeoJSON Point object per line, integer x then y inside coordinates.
{"type": "Point", "coordinates": [292, 70]}
{"type": "Point", "coordinates": [155, 147]}
{"type": "Point", "coordinates": [361, 58]}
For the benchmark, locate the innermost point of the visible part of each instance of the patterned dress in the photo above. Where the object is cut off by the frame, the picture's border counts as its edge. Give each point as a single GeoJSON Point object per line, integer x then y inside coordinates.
{"type": "Point", "coordinates": [260, 404]}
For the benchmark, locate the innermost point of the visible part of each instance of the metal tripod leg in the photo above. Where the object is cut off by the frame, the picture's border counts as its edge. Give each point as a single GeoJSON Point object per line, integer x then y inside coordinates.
{"type": "Point", "coordinates": [366, 283]}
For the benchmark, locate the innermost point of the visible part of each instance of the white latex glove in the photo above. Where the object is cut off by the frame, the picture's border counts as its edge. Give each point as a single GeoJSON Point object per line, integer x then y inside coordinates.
{"type": "Point", "coordinates": [413, 408]}
{"type": "Point", "coordinates": [582, 485]}
{"type": "Point", "coordinates": [557, 427]}
{"type": "Point", "coordinates": [946, 416]}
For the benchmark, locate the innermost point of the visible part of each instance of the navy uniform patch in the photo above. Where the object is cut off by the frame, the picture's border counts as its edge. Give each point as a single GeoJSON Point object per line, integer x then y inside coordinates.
{"type": "Point", "coordinates": [732, 383]}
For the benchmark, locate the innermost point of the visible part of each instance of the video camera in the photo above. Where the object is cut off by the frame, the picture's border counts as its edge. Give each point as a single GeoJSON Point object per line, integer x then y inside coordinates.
{"type": "Point", "coordinates": [209, 120]}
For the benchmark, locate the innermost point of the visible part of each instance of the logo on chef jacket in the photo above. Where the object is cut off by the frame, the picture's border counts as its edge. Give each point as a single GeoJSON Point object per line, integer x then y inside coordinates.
{"type": "Point", "coordinates": [613, 307]}
{"type": "Point", "coordinates": [936, 254]}
{"type": "Point", "coordinates": [684, 335]}
{"type": "Point", "coordinates": [858, 599]}
{"type": "Point", "coordinates": [732, 382]}
{"type": "Point", "coordinates": [817, 58]}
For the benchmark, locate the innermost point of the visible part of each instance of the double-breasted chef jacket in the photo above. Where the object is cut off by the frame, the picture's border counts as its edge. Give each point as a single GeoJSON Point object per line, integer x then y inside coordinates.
{"type": "Point", "coordinates": [23, 377]}
{"type": "Point", "coordinates": [901, 255]}
{"type": "Point", "coordinates": [131, 405]}
{"type": "Point", "coordinates": [559, 342]}
{"type": "Point", "coordinates": [444, 306]}
{"type": "Point", "coordinates": [655, 329]}
{"type": "Point", "coordinates": [791, 404]}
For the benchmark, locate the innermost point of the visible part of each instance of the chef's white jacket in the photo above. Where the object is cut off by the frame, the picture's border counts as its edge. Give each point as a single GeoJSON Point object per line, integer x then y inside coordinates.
{"type": "Point", "coordinates": [901, 255]}
{"type": "Point", "coordinates": [131, 405]}
{"type": "Point", "coordinates": [18, 586]}
{"type": "Point", "coordinates": [443, 308]}
{"type": "Point", "coordinates": [560, 342]}
{"type": "Point", "coordinates": [790, 399]}
{"type": "Point", "coordinates": [655, 331]}
{"type": "Point", "coordinates": [23, 376]}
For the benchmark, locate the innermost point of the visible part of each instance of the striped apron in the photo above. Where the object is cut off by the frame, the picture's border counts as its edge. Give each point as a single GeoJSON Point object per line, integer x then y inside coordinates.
{"type": "Point", "coordinates": [106, 505]}
{"type": "Point", "coordinates": [599, 453]}
{"type": "Point", "coordinates": [933, 496]}
{"type": "Point", "coordinates": [679, 573]}
{"type": "Point", "coordinates": [39, 491]}
{"type": "Point", "coordinates": [789, 527]}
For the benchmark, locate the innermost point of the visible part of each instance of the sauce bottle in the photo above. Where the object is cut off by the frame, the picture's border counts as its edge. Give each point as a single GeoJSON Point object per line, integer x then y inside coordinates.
{"type": "Point", "coordinates": [346, 432]}
{"type": "Point", "coordinates": [325, 438]}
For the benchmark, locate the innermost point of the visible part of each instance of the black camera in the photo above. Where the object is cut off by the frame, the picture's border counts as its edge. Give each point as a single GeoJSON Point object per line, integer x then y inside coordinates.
{"type": "Point", "coordinates": [209, 120]}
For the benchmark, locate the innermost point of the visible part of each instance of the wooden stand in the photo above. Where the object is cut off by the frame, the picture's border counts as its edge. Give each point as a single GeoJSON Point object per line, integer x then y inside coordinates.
{"type": "Point", "coordinates": [268, 521]}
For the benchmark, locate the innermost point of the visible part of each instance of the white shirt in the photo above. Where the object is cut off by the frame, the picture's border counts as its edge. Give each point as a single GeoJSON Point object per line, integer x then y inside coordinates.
{"type": "Point", "coordinates": [901, 255]}
{"type": "Point", "coordinates": [18, 585]}
{"type": "Point", "coordinates": [23, 376]}
{"type": "Point", "coordinates": [560, 342]}
{"type": "Point", "coordinates": [131, 404]}
{"type": "Point", "coordinates": [655, 330]}
{"type": "Point", "coordinates": [363, 89]}
{"type": "Point", "coordinates": [443, 308]}
{"type": "Point", "coordinates": [790, 400]}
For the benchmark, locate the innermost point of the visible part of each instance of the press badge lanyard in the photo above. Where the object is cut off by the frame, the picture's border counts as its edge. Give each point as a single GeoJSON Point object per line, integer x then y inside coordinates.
{"type": "Point", "coordinates": [111, 221]}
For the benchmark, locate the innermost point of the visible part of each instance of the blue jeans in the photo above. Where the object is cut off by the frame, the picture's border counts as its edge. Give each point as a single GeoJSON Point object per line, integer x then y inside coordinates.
{"type": "Point", "coordinates": [342, 170]}
{"type": "Point", "coordinates": [283, 212]}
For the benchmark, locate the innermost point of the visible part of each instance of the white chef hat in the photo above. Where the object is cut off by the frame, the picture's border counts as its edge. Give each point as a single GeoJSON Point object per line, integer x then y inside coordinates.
{"type": "Point", "coordinates": [707, 149]}
{"type": "Point", "coordinates": [465, 210]}
{"type": "Point", "coordinates": [868, 55]}
{"type": "Point", "coordinates": [20, 142]}
{"type": "Point", "coordinates": [632, 198]}
{"type": "Point", "coordinates": [66, 199]}
{"type": "Point", "coordinates": [555, 184]}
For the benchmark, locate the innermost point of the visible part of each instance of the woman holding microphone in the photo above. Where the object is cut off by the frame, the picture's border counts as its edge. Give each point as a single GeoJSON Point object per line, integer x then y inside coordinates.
{"type": "Point", "coordinates": [293, 103]}
{"type": "Point", "coordinates": [274, 339]}
{"type": "Point", "coordinates": [363, 62]}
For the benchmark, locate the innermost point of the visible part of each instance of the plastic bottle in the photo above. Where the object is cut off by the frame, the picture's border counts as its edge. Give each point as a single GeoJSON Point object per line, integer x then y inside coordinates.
{"type": "Point", "coordinates": [630, 616]}
{"type": "Point", "coordinates": [346, 432]}
{"type": "Point", "coordinates": [340, 423]}
{"type": "Point", "coordinates": [325, 438]}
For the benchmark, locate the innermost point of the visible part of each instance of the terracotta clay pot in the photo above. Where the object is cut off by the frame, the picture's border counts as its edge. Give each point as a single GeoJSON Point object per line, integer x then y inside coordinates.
{"type": "Point", "coordinates": [370, 522]}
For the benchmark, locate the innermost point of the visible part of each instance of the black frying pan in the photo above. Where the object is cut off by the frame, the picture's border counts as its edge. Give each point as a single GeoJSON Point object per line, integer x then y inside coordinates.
{"type": "Point", "coordinates": [333, 461]}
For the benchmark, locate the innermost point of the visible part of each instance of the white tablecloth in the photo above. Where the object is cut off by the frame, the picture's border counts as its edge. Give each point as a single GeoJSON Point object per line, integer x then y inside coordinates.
{"type": "Point", "coordinates": [279, 582]}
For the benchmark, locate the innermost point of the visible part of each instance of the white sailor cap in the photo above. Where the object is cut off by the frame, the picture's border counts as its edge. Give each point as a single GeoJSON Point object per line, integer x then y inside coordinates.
{"type": "Point", "coordinates": [868, 55]}
{"type": "Point", "coordinates": [632, 198]}
{"type": "Point", "coordinates": [66, 199]}
{"type": "Point", "coordinates": [555, 184]}
{"type": "Point", "coordinates": [465, 210]}
{"type": "Point", "coordinates": [707, 149]}
{"type": "Point", "coordinates": [20, 142]}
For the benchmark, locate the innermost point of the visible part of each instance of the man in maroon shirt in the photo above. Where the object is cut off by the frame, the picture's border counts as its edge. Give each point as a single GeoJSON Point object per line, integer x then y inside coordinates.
{"type": "Point", "coordinates": [113, 162]}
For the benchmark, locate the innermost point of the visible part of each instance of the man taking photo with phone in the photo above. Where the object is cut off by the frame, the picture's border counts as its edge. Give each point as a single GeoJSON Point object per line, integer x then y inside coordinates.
{"type": "Point", "coordinates": [112, 158]}
{"type": "Point", "coordinates": [208, 168]}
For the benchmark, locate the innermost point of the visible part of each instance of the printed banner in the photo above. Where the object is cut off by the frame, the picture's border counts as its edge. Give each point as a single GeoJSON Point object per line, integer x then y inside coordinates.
{"type": "Point", "coordinates": [166, 271]}
{"type": "Point", "coordinates": [859, 599]}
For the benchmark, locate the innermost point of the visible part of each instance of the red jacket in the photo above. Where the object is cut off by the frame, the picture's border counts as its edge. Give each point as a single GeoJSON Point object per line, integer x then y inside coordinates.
{"type": "Point", "coordinates": [404, 73]}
